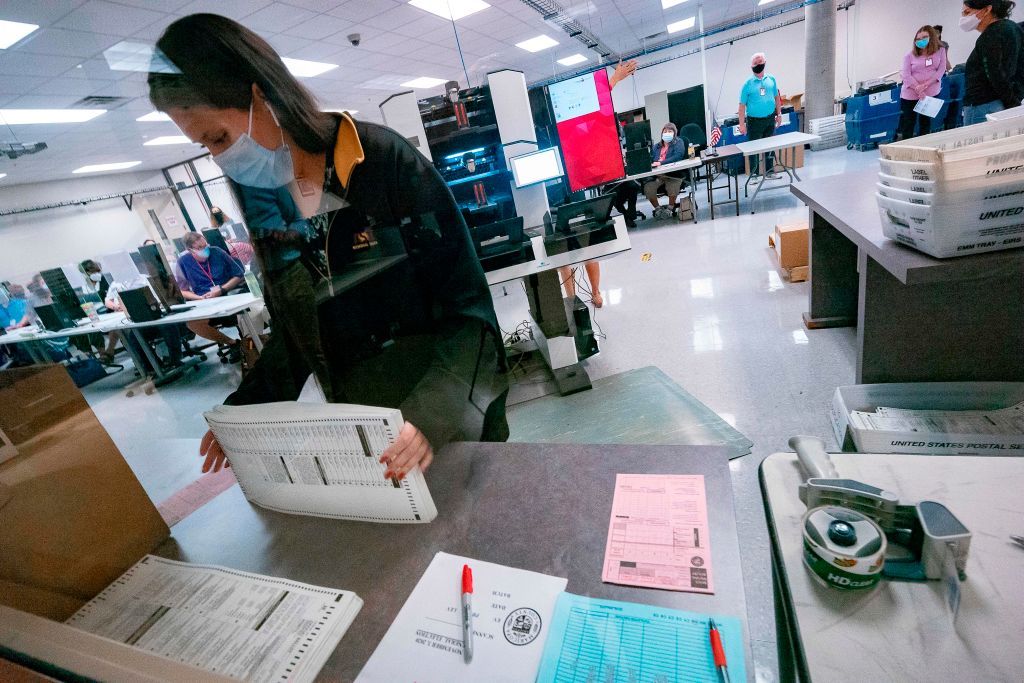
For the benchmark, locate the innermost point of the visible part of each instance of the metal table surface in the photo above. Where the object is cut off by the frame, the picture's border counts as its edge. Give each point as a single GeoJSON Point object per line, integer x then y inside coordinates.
{"type": "Point", "coordinates": [918, 318]}
{"type": "Point", "coordinates": [544, 508]}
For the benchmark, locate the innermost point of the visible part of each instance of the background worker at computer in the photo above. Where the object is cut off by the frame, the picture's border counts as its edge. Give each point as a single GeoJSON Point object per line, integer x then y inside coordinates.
{"type": "Point", "coordinates": [208, 272]}
{"type": "Point", "coordinates": [668, 150]}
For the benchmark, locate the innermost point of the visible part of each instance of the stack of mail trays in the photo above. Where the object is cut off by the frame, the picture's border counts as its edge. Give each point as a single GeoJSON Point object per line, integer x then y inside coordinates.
{"type": "Point", "coordinates": [956, 192]}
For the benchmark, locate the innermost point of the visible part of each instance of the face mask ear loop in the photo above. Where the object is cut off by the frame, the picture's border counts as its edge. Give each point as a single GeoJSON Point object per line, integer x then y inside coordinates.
{"type": "Point", "coordinates": [250, 116]}
{"type": "Point", "coordinates": [276, 122]}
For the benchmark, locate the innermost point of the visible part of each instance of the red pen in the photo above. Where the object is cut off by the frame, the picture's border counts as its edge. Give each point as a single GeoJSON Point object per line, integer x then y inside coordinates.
{"type": "Point", "coordinates": [467, 613]}
{"type": "Point", "coordinates": [717, 651]}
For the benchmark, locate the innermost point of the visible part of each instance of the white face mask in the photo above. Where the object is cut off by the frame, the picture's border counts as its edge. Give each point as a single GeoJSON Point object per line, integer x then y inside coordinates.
{"type": "Point", "coordinates": [249, 163]}
{"type": "Point", "coordinates": [95, 277]}
{"type": "Point", "coordinates": [969, 22]}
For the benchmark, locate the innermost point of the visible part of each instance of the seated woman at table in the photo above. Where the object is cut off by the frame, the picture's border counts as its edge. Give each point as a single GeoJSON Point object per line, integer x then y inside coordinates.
{"type": "Point", "coordinates": [208, 272]}
{"type": "Point", "coordinates": [322, 196]}
{"type": "Point", "coordinates": [670, 149]}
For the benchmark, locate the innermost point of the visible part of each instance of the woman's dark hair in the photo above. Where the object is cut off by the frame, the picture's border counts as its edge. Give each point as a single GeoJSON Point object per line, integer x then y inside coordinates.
{"type": "Point", "coordinates": [89, 266]}
{"type": "Point", "coordinates": [1000, 8]}
{"type": "Point", "coordinates": [220, 60]}
{"type": "Point", "coordinates": [933, 41]}
{"type": "Point", "coordinates": [938, 29]}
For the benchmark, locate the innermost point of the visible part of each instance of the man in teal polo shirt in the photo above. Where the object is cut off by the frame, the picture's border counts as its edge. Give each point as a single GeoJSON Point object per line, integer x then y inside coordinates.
{"type": "Point", "coordinates": [760, 109]}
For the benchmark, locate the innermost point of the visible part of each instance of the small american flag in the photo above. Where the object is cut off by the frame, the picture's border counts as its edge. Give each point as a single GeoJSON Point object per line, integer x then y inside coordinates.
{"type": "Point", "coordinates": [716, 135]}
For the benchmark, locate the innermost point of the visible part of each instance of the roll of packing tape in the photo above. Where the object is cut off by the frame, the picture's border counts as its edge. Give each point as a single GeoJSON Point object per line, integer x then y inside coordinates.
{"type": "Point", "coordinates": [842, 548]}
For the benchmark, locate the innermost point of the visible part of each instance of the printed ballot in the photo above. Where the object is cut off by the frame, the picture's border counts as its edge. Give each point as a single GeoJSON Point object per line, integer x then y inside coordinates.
{"type": "Point", "coordinates": [320, 459]}
{"type": "Point", "coordinates": [929, 106]}
{"type": "Point", "coordinates": [511, 612]}
{"type": "Point", "coordinates": [606, 640]}
{"type": "Point", "coordinates": [245, 626]}
{"type": "Point", "coordinates": [658, 535]}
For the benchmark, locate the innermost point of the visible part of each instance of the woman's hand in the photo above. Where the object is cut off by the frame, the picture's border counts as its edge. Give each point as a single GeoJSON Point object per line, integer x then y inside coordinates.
{"type": "Point", "coordinates": [210, 448]}
{"type": "Point", "coordinates": [411, 449]}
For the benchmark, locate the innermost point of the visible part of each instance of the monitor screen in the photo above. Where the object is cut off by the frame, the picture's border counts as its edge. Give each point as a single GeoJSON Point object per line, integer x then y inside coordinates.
{"type": "Point", "coordinates": [588, 131]}
{"type": "Point", "coordinates": [536, 167]}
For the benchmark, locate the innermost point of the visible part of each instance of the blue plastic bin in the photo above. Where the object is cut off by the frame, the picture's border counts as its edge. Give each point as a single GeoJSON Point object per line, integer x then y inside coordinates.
{"type": "Point", "coordinates": [872, 120]}
{"type": "Point", "coordinates": [955, 106]}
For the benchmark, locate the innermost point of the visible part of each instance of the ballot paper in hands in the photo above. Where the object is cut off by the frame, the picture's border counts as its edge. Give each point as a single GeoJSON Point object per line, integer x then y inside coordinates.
{"type": "Point", "coordinates": [245, 626]}
{"type": "Point", "coordinates": [512, 611]}
{"type": "Point", "coordinates": [929, 106]}
{"type": "Point", "coordinates": [320, 459]}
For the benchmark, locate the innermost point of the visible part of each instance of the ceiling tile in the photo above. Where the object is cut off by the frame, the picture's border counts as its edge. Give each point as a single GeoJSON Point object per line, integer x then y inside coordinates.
{"type": "Point", "coordinates": [106, 17]}
{"type": "Point", "coordinates": [41, 13]}
{"type": "Point", "coordinates": [55, 41]}
{"type": "Point", "coordinates": [20, 85]}
{"type": "Point", "coordinates": [234, 9]}
{"type": "Point", "coordinates": [24, 64]}
{"type": "Point", "coordinates": [320, 27]}
{"type": "Point", "coordinates": [360, 10]}
{"type": "Point", "coordinates": [157, 5]}
{"type": "Point", "coordinates": [67, 86]}
{"type": "Point", "coordinates": [277, 17]}
{"type": "Point", "coordinates": [94, 69]}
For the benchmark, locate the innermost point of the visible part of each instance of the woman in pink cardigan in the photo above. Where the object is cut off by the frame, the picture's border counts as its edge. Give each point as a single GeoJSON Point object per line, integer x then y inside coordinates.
{"type": "Point", "coordinates": [923, 69]}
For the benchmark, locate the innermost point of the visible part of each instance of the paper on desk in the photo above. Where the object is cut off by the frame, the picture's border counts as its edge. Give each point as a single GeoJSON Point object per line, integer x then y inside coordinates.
{"type": "Point", "coordinates": [658, 535]}
{"type": "Point", "coordinates": [511, 612]}
{"type": "Point", "coordinates": [246, 626]}
{"type": "Point", "coordinates": [1009, 421]}
{"type": "Point", "coordinates": [605, 640]}
{"type": "Point", "coordinates": [929, 106]}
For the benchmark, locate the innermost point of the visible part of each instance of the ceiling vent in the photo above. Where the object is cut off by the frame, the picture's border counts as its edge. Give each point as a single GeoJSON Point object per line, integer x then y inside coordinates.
{"type": "Point", "coordinates": [101, 102]}
{"type": "Point", "coordinates": [13, 150]}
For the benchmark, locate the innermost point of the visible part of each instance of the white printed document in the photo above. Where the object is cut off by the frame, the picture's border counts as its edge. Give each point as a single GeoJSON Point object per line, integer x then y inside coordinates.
{"type": "Point", "coordinates": [1001, 421]}
{"type": "Point", "coordinates": [512, 611]}
{"type": "Point", "coordinates": [246, 626]}
{"type": "Point", "coordinates": [929, 106]}
{"type": "Point", "coordinates": [321, 460]}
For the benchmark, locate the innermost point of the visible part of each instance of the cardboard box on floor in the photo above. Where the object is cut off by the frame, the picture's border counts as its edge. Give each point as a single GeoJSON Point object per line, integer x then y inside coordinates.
{"type": "Point", "coordinates": [791, 244]}
{"type": "Point", "coordinates": [73, 517]}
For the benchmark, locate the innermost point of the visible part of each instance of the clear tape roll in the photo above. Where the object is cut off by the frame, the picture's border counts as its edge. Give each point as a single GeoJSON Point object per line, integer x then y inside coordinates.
{"type": "Point", "coordinates": [843, 549]}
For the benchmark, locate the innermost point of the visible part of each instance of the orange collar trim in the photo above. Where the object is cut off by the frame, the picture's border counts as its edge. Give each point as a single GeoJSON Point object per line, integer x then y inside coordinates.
{"type": "Point", "coordinates": [348, 150]}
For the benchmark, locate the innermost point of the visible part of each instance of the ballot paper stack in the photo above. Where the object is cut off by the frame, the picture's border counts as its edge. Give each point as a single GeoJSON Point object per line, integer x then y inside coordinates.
{"type": "Point", "coordinates": [956, 192]}
{"type": "Point", "coordinates": [990, 432]}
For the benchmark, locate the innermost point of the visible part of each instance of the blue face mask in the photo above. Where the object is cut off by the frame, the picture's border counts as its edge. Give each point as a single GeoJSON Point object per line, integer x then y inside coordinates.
{"type": "Point", "coordinates": [251, 164]}
{"type": "Point", "coordinates": [203, 254]}
{"type": "Point", "coordinates": [667, 137]}
{"type": "Point", "coordinates": [921, 44]}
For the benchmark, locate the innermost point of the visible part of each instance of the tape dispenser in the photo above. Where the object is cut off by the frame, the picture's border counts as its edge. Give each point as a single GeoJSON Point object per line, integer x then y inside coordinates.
{"type": "Point", "coordinates": [926, 541]}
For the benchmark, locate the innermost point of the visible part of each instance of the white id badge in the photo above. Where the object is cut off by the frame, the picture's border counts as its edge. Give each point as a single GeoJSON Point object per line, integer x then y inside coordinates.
{"type": "Point", "coordinates": [763, 91]}
{"type": "Point", "coordinates": [927, 62]}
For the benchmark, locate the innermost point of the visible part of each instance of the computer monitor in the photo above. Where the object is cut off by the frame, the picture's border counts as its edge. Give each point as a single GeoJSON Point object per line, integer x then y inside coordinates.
{"type": "Point", "coordinates": [215, 238]}
{"type": "Point", "coordinates": [592, 212]}
{"type": "Point", "coordinates": [536, 167]}
{"type": "Point", "coordinates": [160, 274]}
{"type": "Point", "coordinates": [54, 318]}
{"type": "Point", "coordinates": [141, 305]}
{"type": "Point", "coordinates": [638, 135]}
{"type": "Point", "coordinates": [62, 293]}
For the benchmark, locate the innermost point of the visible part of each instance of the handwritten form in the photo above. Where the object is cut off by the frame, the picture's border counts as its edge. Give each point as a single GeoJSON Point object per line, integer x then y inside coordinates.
{"type": "Point", "coordinates": [623, 642]}
{"type": "Point", "coordinates": [658, 535]}
{"type": "Point", "coordinates": [511, 616]}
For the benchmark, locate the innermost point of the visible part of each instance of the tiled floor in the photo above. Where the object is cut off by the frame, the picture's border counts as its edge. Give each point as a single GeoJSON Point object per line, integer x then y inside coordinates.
{"type": "Point", "coordinates": [709, 308]}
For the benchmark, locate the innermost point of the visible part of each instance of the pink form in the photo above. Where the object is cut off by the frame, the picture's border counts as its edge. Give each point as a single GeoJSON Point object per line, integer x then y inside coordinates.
{"type": "Point", "coordinates": [658, 536]}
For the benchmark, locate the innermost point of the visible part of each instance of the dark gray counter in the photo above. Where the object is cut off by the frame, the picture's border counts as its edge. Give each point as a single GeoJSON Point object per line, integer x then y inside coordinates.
{"type": "Point", "coordinates": [540, 507]}
{"type": "Point", "coordinates": [918, 318]}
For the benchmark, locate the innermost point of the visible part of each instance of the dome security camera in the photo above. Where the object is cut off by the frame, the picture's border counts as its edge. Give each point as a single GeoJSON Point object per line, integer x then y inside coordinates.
{"type": "Point", "coordinates": [354, 38]}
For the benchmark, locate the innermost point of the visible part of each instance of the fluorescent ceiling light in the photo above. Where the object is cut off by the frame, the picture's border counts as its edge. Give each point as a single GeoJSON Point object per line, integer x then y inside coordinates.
{"type": "Point", "coordinates": [16, 117]}
{"type": "Point", "coordinates": [13, 31]}
{"type": "Point", "coordinates": [304, 69]}
{"type": "Point", "coordinates": [154, 116]}
{"type": "Point", "coordinates": [341, 110]}
{"type": "Point", "coordinates": [3, 175]}
{"type": "Point", "coordinates": [572, 59]}
{"type": "Point", "coordinates": [99, 168]}
{"type": "Point", "coordinates": [452, 10]}
{"type": "Point", "coordinates": [168, 140]}
{"type": "Point", "coordinates": [665, 4]}
{"type": "Point", "coordinates": [764, 2]}
{"type": "Point", "coordinates": [677, 26]}
{"type": "Point", "coordinates": [424, 82]}
{"type": "Point", "coordinates": [537, 44]}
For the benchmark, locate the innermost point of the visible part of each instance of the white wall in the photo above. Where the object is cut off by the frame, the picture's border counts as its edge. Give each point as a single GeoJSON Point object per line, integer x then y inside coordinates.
{"type": "Point", "coordinates": [871, 39]}
{"type": "Point", "coordinates": [30, 242]}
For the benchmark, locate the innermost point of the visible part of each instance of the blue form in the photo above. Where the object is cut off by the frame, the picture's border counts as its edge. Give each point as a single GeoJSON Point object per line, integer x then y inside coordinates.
{"type": "Point", "coordinates": [624, 642]}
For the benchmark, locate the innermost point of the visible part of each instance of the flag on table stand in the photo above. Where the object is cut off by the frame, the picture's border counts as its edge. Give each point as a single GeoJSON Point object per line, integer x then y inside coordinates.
{"type": "Point", "coordinates": [716, 137]}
